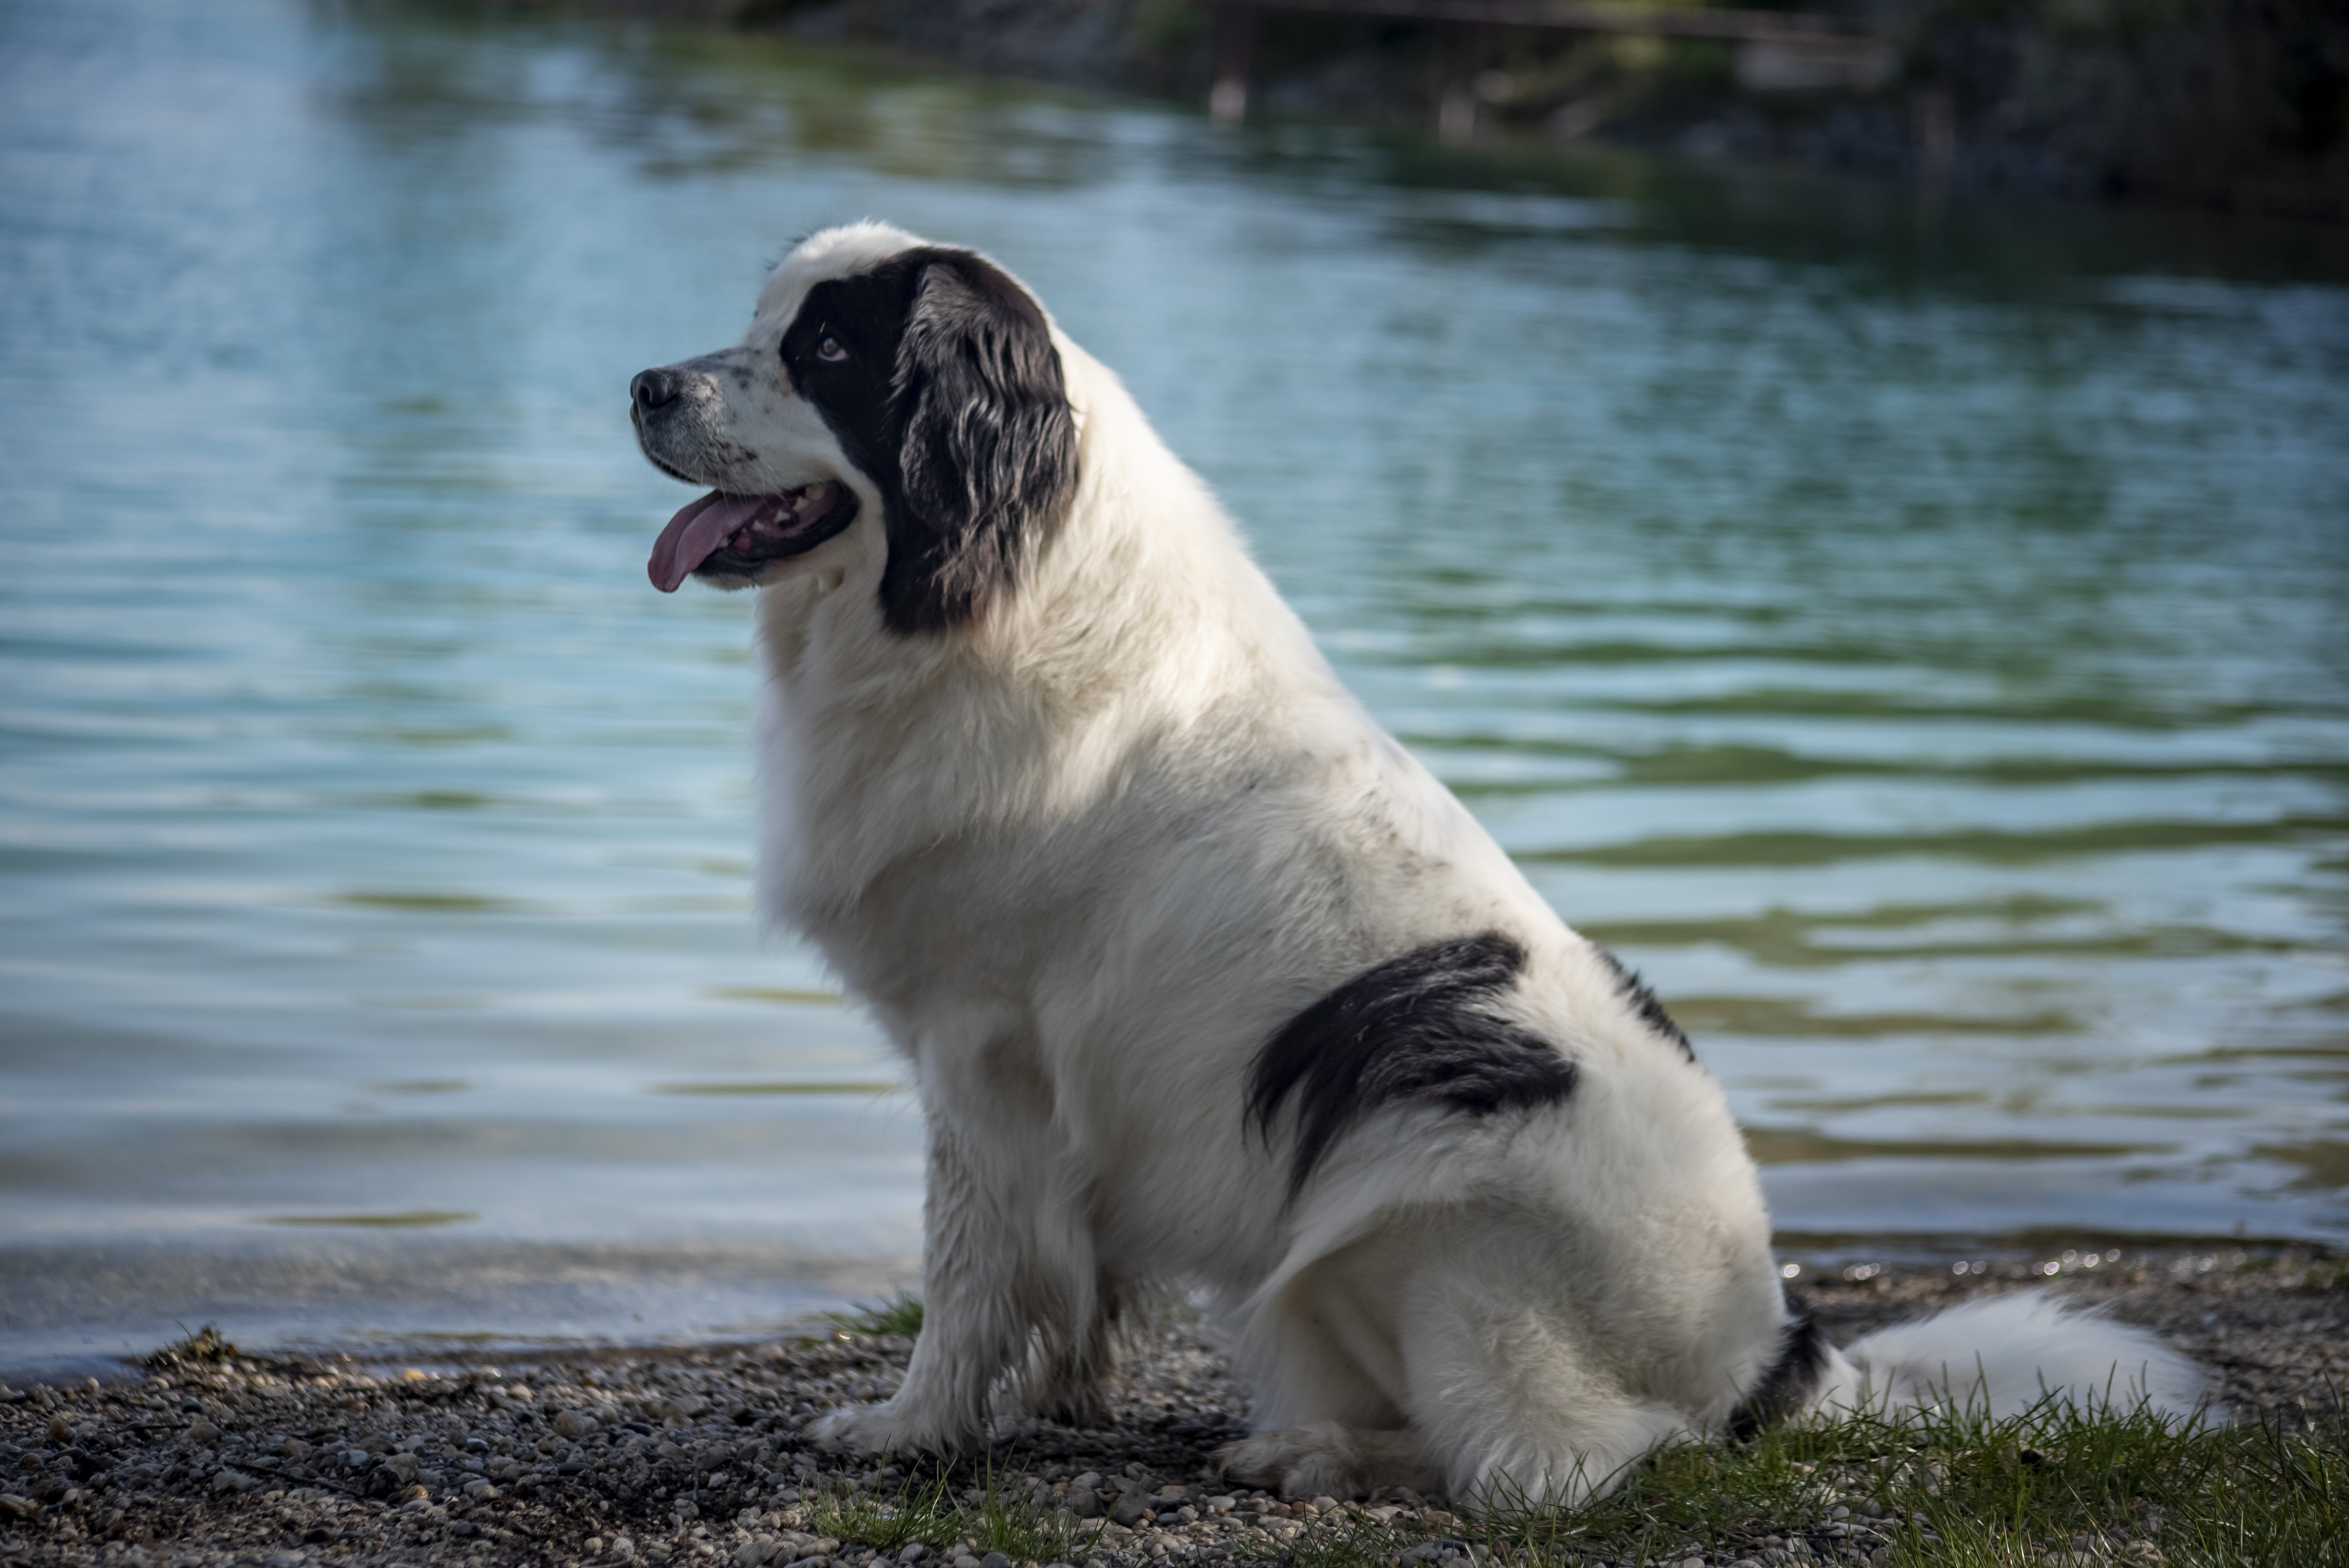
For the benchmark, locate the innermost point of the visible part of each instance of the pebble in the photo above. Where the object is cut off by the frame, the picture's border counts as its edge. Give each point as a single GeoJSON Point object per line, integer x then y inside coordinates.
{"type": "Point", "coordinates": [698, 1460]}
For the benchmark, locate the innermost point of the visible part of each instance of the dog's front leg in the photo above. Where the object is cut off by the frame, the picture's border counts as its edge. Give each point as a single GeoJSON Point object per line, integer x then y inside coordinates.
{"type": "Point", "coordinates": [988, 1163]}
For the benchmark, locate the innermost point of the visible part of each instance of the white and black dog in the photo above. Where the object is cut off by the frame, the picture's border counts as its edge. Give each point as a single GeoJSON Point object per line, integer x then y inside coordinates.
{"type": "Point", "coordinates": [1207, 983]}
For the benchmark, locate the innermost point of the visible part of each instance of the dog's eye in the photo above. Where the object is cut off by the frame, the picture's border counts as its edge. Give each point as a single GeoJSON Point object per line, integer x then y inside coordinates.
{"type": "Point", "coordinates": [829, 351]}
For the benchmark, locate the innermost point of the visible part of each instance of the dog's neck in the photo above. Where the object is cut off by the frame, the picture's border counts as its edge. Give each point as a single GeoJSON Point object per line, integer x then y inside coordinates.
{"type": "Point", "coordinates": [877, 745]}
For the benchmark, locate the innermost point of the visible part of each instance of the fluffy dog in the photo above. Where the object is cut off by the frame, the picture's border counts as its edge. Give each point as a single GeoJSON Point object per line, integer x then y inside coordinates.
{"type": "Point", "coordinates": [1206, 982]}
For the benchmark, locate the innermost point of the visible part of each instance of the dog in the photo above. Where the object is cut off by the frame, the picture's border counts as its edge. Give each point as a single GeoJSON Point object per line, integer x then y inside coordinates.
{"type": "Point", "coordinates": [1207, 983]}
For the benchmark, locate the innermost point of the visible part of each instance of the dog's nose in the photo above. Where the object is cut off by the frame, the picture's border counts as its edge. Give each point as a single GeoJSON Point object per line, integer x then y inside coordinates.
{"type": "Point", "coordinates": [653, 389]}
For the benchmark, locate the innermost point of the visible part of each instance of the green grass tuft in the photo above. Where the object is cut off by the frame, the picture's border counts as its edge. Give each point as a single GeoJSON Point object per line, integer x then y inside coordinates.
{"type": "Point", "coordinates": [1008, 1516]}
{"type": "Point", "coordinates": [1024, 1526]}
{"type": "Point", "coordinates": [922, 1508]}
{"type": "Point", "coordinates": [900, 1314]}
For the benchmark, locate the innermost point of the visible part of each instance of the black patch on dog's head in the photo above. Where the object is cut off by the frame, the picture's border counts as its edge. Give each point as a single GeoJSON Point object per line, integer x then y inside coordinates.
{"type": "Point", "coordinates": [952, 399]}
{"type": "Point", "coordinates": [1786, 1387]}
{"type": "Point", "coordinates": [1414, 1027]}
{"type": "Point", "coordinates": [1643, 1002]}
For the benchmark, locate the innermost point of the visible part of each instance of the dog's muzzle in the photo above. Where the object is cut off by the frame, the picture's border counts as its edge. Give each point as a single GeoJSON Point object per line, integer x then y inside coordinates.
{"type": "Point", "coordinates": [725, 533]}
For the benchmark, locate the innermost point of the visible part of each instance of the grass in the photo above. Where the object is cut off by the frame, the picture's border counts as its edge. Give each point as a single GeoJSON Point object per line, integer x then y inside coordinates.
{"type": "Point", "coordinates": [1003, 1516]}
{"type": "Point", "coordinates": [1955, 1490]}
{"type": "Point", "coordinates": [1941, 1490]}
{"type": "Point", "coordinates": [922, 1508]}
{"type": "Point", "coordinates": [1025, 1526]}
{"type": "Point", "coordinates": [900, 1314]}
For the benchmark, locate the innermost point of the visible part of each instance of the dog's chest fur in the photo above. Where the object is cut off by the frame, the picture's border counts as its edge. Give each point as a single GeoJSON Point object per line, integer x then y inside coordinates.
{"type": "Point", "coordinates": [1140, 767]}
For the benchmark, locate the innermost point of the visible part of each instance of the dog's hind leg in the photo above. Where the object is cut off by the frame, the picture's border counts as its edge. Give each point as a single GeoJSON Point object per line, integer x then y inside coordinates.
{"type": "Point", "coordinates": [1427, 1356]}
{"type": "Point", "coordinates": [1523, 1394]}
{"type": "Point", "coordinates": [1328, 1366]}
{"type": "Point", "coordinates": [1327, 1458]}
{"type": "Point", "coordinates": [1514, 1411]}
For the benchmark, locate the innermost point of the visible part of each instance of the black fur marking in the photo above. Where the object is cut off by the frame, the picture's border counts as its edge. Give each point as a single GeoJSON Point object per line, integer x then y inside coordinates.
{"type": "Point", "coordinates": [1788, 1387]}
{"type": "Point", "coordinates": [951, 399]}
{"type": "Point", "coordinates": [1643, 1002]}
{"type": "Point", "coordinates": [1414, 1027]}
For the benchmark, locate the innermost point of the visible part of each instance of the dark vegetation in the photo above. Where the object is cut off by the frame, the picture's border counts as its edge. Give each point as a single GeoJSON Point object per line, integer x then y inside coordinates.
{"type": "Point", "coordinates": [2236, 105]}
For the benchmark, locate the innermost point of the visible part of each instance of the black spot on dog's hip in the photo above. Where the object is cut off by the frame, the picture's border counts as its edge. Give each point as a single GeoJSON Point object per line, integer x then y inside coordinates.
{"type": "Point", "coordinates": [1416, 1027]}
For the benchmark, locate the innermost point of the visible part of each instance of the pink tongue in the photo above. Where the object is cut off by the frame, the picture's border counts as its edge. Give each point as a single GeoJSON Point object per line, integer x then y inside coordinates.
{"type": "Point", "coordinates": [699, 528]}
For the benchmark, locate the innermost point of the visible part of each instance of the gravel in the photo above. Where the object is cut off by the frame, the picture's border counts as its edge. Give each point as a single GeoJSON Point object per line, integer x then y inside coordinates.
{"type": "Point", "coordinates": [695, 1457]}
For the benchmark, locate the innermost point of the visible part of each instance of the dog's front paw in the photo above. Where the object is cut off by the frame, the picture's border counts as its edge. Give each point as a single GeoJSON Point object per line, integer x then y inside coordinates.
{"type": "Point", "coordinates": [883, 1429]}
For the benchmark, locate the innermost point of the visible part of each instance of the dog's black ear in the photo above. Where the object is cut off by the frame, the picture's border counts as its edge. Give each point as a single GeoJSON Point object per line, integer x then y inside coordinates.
{"type": "Point", "coordinates": [989, 450]}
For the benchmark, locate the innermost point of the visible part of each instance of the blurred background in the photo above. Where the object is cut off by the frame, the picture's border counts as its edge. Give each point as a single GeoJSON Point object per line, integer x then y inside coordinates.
{"type": "Point", "coordinates": [1908, 617]}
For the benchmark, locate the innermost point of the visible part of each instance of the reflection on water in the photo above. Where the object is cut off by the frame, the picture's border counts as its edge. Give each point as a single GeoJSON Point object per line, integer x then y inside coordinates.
{"type": "Point", "coordinates": [1911, 633]}
{"type": "Point", "coordinates": [413, 1219]}
{"type": "Point", "coordinates": [778, 1088]}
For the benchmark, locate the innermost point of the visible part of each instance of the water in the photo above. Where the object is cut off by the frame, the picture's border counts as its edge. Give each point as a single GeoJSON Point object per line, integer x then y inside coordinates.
{"type": "Point", "coordinates": [1911, 632]}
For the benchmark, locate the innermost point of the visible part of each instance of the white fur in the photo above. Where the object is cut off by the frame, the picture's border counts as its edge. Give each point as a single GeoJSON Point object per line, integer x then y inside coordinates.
{"type": "Point", "coordinates": [2007, 1355]}
{"type": "Point", "coordinates": [1081, 858]}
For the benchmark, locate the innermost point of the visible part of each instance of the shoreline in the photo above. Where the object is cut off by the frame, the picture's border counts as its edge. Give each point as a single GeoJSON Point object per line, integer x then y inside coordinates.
{"type": "Point", "coordinates": [695, 1455]}
{"type": "Point", "coordinates": [376, 1301]}
{"type": "Point", "coordinates": [2216, 105]}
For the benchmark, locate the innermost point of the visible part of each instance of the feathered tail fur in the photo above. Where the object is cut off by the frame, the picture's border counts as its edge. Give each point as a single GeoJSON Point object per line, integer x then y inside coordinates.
{"type": "Point", "coordinates": [2003, 1357]}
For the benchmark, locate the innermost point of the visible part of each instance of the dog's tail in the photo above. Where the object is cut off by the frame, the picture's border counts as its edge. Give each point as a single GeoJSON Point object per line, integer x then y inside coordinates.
{"type": "Point", "coordinates": [2009, 1356]}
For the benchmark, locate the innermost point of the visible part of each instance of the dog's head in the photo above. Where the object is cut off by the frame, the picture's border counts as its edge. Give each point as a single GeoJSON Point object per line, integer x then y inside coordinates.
{"type": "Point", "coordinates": [883, 383]}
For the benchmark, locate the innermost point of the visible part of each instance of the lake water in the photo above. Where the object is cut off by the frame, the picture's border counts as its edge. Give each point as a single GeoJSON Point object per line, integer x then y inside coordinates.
{"type": "Point", "coordinates": [1914, 632]}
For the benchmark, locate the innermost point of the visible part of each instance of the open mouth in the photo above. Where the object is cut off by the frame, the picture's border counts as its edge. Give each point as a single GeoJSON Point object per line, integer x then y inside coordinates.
{"type": "Point", "coordinates": [737, 534]}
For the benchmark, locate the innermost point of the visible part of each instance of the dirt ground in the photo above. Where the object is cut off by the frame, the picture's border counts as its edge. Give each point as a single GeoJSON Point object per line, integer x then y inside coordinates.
{"type": "Point", "coordinates": [695, 1456]}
